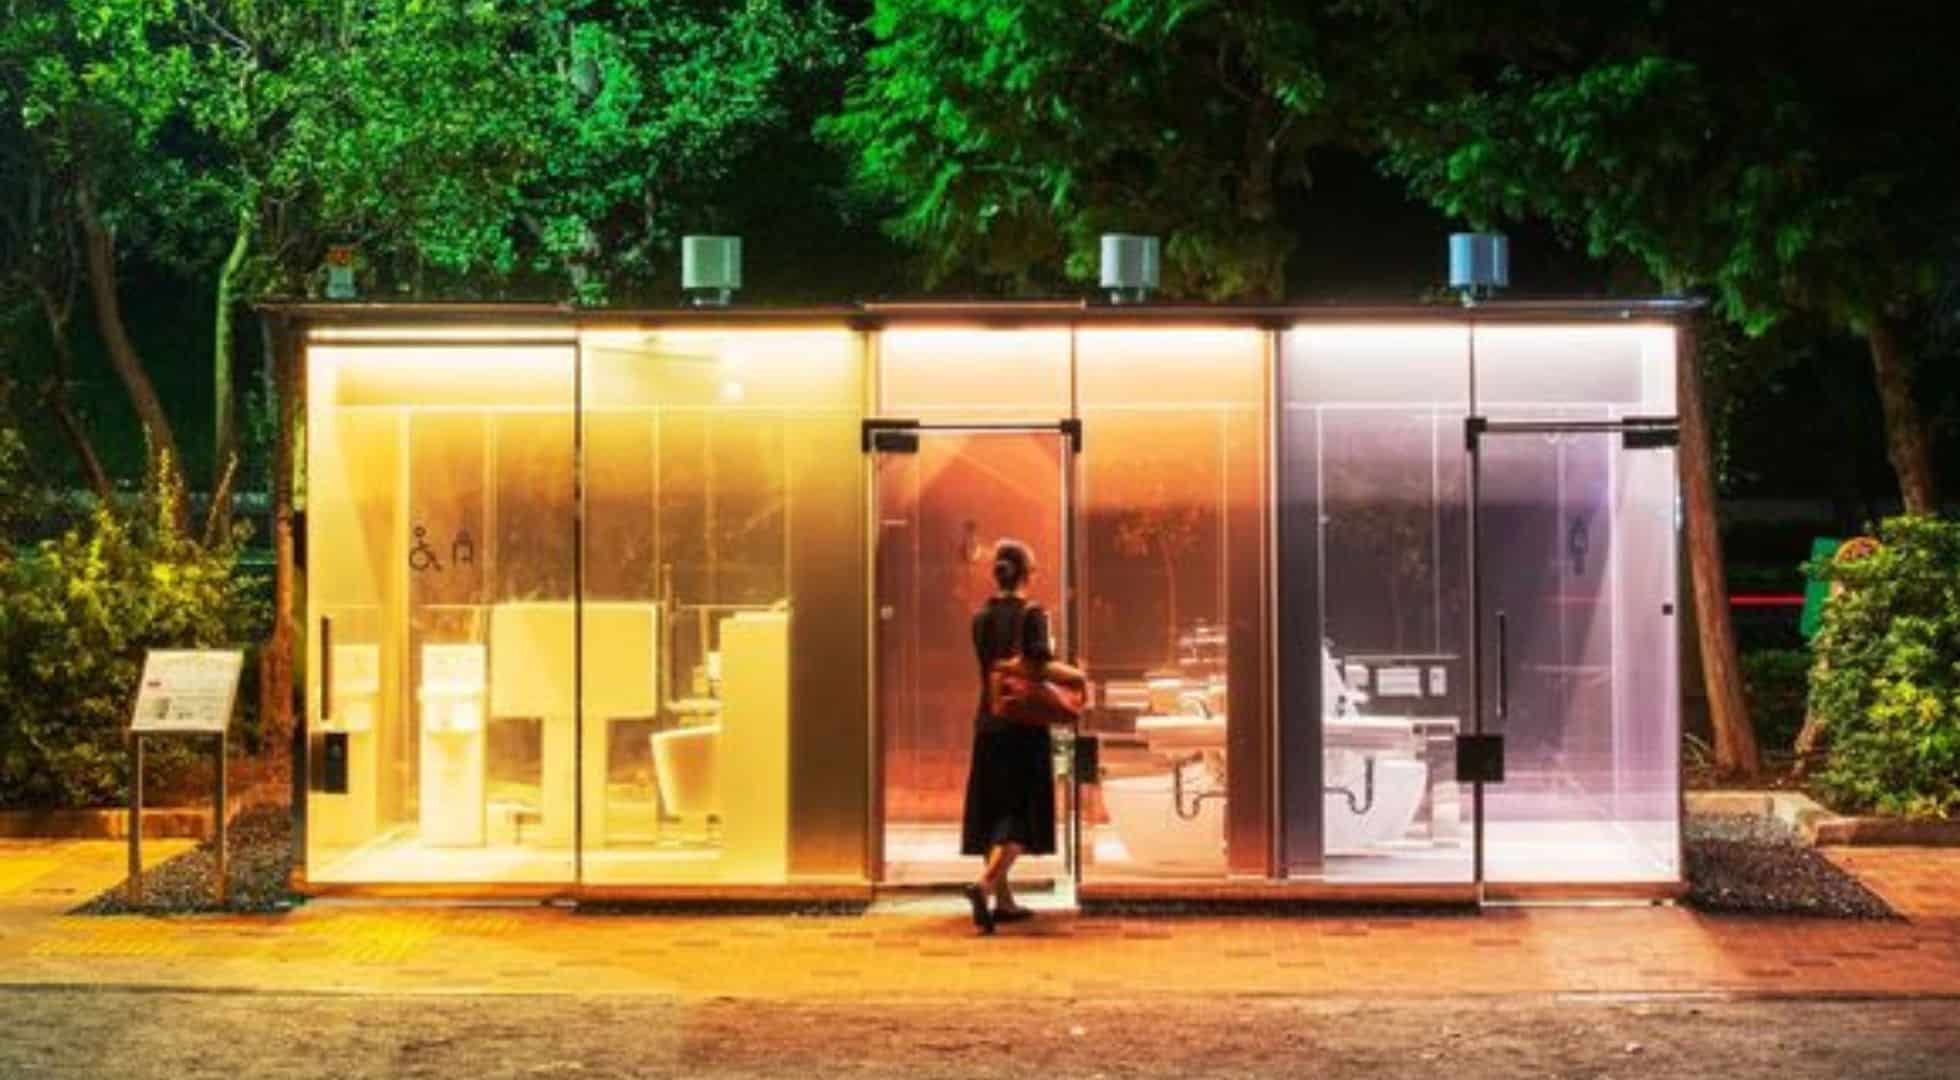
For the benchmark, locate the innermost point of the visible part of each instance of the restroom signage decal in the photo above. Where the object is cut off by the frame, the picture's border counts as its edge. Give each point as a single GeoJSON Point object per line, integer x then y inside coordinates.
{"type": "Point", "coordinates": [423, 556]}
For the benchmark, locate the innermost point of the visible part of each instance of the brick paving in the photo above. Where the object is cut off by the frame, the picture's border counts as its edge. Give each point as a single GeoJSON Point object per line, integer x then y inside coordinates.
{"type": "Point", "coordinates": [926, 953]}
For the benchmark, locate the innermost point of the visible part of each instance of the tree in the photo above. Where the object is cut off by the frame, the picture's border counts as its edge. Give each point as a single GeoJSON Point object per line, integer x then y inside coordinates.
{"type": "Point", "coordinates": [1787, 163]}
{"type": "Point", "coordinates": [41, 269]}
{"type": "Point", "coordinates": [1009, 134]}
{"type": "Point", "coordinates": [87, 156]}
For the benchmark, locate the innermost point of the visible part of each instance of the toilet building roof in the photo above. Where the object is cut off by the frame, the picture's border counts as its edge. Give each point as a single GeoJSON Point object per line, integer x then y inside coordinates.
{"type": "Point", "coordinates": [874, 314]}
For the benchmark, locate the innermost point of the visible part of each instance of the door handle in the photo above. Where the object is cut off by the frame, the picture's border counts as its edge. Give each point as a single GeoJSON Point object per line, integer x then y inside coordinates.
{"type": "Point", "coordinates": [1503, 668]}
{"type": "Point", "coordinates": [326, 667]}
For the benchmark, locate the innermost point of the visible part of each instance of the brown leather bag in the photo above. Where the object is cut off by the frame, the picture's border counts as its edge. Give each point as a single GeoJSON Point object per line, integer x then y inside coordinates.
{"type": "Point", "coordinates": [1027, 691]}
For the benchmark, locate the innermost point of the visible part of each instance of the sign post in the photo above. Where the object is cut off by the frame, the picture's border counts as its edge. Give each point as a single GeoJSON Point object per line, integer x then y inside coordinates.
{"type": "Point", "coordinates": [186, 692]}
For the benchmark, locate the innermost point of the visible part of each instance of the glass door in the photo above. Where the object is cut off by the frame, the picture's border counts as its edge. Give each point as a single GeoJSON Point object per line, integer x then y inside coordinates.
{"type": "Point", "coordinates": [944, 495]}
{"type": "Point", "coordinates": [1577, 677]}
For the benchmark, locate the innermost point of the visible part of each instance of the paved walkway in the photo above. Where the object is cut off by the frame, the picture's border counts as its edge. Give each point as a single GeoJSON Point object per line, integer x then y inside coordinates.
{"type": "Point", "coordinates": [929, 954]}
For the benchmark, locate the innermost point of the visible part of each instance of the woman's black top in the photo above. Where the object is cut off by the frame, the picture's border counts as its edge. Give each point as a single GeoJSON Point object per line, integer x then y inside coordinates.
{"type": "Point", "coordinates": [1010, 788]}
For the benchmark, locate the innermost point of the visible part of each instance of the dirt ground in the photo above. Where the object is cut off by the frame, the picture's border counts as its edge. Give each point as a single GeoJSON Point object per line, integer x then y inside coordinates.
{"type": "Point", "coordinates": [70, 1033]}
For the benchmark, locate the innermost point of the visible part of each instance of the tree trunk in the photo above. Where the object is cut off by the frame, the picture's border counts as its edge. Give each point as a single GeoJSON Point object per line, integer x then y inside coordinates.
{"type": "Point", "coordinates": [1906, 443]}
{"type": "Point", "coordinates": [225, 406]}
{"type": "Point", "coordinates": [276, 661]}
{"type": "Point", "coordinates": [56, 397]}
{"type": "Point", "coordinates": [100, 248]}
{"type": "Point", "coordinates": [1736, 753]}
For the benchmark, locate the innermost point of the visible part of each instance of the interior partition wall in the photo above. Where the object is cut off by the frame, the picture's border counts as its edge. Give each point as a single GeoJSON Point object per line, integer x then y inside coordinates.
{"type": "Point", "coordinates": [576, 601]}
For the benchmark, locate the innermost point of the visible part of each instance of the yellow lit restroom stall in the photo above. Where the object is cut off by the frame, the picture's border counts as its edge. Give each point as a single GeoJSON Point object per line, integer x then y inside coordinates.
{"type": "Point", "coordinates": [582, 604]}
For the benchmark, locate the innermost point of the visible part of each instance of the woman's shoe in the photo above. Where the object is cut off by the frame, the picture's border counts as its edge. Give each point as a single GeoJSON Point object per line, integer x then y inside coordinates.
{"type": "Point", "coordinates": [982, 917]}
{"type": "Point", "coordinates": [1013, 914]}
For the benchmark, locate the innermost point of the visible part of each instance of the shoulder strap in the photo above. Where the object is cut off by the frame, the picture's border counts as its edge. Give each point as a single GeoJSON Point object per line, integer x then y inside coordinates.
{"type": "Point", "coordinates": [1021, 628]}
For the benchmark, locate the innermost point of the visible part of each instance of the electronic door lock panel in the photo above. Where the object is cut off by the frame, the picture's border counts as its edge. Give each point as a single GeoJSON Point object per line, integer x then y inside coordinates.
{"type": "Point", "coordinates": [1480, 759]}
{"type": "Point", "coordinates": [329, 763]}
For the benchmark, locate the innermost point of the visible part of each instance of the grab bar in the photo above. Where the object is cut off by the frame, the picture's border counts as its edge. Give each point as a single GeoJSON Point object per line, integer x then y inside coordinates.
{"type": "Point", "coordinates": [1503, 669]}
{"type": "Point", "coordinates": [326, 667]}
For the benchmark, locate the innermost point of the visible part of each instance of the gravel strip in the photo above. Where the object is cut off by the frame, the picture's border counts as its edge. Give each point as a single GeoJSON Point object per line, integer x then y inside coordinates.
{"type": "Point", "coordinates": [260, 865]}
{"type": "Point", "coordinates": [1758, 865]}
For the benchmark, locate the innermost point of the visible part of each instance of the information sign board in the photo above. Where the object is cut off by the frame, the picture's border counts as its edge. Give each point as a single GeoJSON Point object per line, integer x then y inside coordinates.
{"type": "Point", "coordinates": [190, 690]}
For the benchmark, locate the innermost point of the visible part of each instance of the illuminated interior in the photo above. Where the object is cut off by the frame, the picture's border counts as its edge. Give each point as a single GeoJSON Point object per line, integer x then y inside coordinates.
{"type": "Point", "coordinates": [1172, 600]}
{"type": "Point", "coordinates": [1576, 559]}
{"type": "Point", "coordinates": [1165, 506]}
{"type": "Point", "coordinates": [513, 709]}
{"type": "Point", "coordinates": [642, 606]}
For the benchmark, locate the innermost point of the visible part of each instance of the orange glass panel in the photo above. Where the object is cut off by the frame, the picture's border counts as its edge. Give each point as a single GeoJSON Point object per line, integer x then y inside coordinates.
{"type": "Point", "coordinates": [1172, 598]}
{"type": "Point", "coordinates": [949, 374]}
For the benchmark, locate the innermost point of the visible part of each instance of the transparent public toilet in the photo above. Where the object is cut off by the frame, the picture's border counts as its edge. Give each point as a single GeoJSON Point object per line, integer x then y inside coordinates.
{"type": "Point", "coordinates": [675, 603]}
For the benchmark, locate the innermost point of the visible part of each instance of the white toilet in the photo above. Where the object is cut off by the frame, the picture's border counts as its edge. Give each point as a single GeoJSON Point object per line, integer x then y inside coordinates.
{"type": "Point", "coordinates": [686, 761]}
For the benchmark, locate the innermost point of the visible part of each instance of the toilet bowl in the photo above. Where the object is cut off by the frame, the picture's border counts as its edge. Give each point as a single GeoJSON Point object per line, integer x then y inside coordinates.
{"type": "Point", "coordinates": [686, 762]}
{"type": "Point", "coordinates": [1359, 814]}
{"type": "Point", "coordinates": [1143, 810]}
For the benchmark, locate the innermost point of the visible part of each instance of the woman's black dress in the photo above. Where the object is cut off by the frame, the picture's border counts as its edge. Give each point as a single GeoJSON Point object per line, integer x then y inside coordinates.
{"type": "Point", "coordinates": [1010, 789]}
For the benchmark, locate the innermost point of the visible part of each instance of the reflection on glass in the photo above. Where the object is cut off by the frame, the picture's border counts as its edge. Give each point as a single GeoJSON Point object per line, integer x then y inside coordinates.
{"type": "Point", "coordinates": [1171, 596]}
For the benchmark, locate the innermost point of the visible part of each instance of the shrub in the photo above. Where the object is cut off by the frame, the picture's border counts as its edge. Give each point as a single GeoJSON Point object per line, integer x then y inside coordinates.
{"type": "Point", "coordinates": [1776, 682]}
{"type": "Point", "coordinates": [1887, 685]}
{"type": "Point", "coordinates": [76, 614]}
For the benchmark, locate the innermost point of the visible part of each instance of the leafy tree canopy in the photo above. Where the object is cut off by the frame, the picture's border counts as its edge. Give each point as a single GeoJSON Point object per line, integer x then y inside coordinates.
{"type": "Point", "coordinates": [1788, 162]}
{"type": "Point", "coordinates": [1009, 134]}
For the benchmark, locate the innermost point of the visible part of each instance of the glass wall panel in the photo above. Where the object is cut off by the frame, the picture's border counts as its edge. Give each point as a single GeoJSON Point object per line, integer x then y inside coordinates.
{"type": "Point", "coordinates": [946, 374]}
{"type": "Point", "coordinates": [1628, 367]}
{"type": "Point", "coordinates": [724, 706]}
{"type": "Point", "coordinates": [1374, 586]}
{"type": "Point", "coordinates": [1171, 601]}
{"type": "Point", "coordinates": [440, 484]}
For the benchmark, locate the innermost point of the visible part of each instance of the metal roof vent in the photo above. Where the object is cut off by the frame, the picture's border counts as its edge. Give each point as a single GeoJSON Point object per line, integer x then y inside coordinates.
{"type": "Point", "coordinates": [1129, 267]}
{"type": "Point", "coordinates": [711, 269]}
{"type": "Point", "coordinates": [1480, 264]}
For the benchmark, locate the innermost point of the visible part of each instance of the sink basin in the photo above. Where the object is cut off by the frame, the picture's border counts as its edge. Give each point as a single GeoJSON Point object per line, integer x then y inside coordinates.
{"type": "Point", "coordinates": [1182, 732]}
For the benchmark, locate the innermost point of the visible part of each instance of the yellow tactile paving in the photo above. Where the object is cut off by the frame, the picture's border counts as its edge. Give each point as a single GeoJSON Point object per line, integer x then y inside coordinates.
{"type": "Point", "coordinates": [18, 871]}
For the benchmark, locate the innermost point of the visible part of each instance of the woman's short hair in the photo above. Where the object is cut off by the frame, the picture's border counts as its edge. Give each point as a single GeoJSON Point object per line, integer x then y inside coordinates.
{"type": "Point", "coordinates": [1013, 562]}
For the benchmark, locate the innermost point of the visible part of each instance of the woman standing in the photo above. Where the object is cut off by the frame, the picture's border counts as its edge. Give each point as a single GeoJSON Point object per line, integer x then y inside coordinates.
{"type": "Point", "coordinates": [1010, 787]}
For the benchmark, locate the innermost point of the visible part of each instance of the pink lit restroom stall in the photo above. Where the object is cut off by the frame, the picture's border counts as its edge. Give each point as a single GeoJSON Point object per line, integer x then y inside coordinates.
{"type": "Point", "coordinates": [676, 603]}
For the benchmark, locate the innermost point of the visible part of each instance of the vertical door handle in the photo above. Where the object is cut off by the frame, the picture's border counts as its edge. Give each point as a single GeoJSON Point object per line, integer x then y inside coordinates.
{"type": "Point", "coordinates": [1503, 668]}
{"type": "Point", "coordinates": [326, 667]}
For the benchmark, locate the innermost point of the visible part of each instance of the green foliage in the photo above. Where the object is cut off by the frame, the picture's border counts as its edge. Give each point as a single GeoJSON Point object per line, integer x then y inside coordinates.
{"type": "Point", "coordinates": [1887, 684]}
{"type": "Point", "coordinates": [1009, 134]}
{"type": "Point", "coordinates": [1776, 682]}
{"type": "Point", "coordinates": [1736, 150]}
{"type": "Point", "coordinates": [76, 614]}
